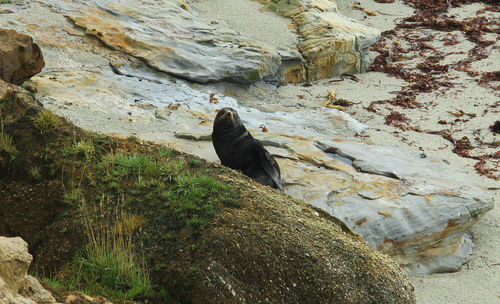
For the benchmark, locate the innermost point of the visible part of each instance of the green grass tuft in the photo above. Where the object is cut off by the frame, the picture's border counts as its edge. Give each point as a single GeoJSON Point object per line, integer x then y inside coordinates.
{"type": "Point", "coordinates": [85, 147]}
{"type": "Point", "coordinates": [46, 121]}
{"type": "Point", "coordinates": [194, 162]}
{"type": "Point", "coordinates": [120, 165]}
{"type": "Point", "coordinates": [165, 152]}
{"type": "Point", "coordinates": [6, 143]}
{"type": "Point", "coordinates": [194, 200]}
{"type": "Point", "coordinates": [35, 173]}
{"type": "Point", "coordinates": [110, 265]}
{"type": "Point", "coordinates": [112, 271]}
{"type": "Point", "coordinates": [5, 140]}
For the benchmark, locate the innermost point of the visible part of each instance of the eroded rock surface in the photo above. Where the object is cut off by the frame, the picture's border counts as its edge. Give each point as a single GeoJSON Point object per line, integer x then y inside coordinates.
{"type": "Point", "coordinates": [20, 58]}
{"type": "Point", "coordinates": [14, 263]}
{"type": "Point", "coordinates": [173, 39]}
{"type": "Point", "coordinates": [333, 44]}
{"type": "Point", "coordinates": [330, 43]}
{"type": "Point", "coordinates": [169, 37]}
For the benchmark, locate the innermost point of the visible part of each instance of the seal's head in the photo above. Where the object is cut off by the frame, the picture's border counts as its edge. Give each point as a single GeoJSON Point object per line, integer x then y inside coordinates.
{"type": "Point", "coordinates": [227, 118]}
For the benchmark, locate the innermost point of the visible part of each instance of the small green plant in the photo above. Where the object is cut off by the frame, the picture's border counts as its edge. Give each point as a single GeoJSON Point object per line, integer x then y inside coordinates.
{"type": "Point", "coordinates": [46, 121]}
{"type": "Point", "coordinates": [6, 1]}
{"type": "Point", "coordinates": [195, 198]}
{"type": "Point", "coordinates": [35, 173]}
{"type": "Point", "coordinates": [73, 197]}
{"type": "Point", "coordinates": [194, 162]}
{"type": "Point", "coordinates": [6, 143]}
{"type": "Point", "coordinates": [85, 148]}
{"type": "Point", "coordinates": [5, 139]}
{"type": "Point", "coordinates": [165, 152]}
{"type": "Point", "coordinates": [173, 167]}
{"type": "Point", "coordinates": [120, 165]}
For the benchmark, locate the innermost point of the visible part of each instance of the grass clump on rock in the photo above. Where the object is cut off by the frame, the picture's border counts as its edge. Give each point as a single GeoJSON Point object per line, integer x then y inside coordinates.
{"type": "Point", "coordinates": [109, 265]}
{"type": "Point", "coordinates": [171, 198]}
{"type": "Point", "coordinates": [164, 192]}
{"type": "Point", "coordinates": [5, 139]}
{"type": "Point", "coordinates": [46, 121]}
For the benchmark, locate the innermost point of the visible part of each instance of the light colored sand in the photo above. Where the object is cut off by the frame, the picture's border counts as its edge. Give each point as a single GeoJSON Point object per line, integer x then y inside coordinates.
{"type": "Point", "coordinates": [245, 17]}
{"type": "Point", "coordinates": [479, 280]}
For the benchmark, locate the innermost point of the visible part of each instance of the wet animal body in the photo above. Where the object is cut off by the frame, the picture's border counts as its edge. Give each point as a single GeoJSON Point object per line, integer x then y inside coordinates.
{"type": "Point", "coordinates": [237, 149]}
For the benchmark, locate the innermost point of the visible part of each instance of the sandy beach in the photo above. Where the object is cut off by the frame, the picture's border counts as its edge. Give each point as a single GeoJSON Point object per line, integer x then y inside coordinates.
{"type": "Point", "coordinates": [478, 280]}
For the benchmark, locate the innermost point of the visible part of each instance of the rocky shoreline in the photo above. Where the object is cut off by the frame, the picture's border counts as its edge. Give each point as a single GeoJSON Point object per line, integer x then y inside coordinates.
{"type": "Point", "coordinates": [414, 204]}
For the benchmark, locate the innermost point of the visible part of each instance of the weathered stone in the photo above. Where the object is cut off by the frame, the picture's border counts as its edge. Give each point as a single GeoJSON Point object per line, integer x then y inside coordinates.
{"type": "Point", "coordinates": [292, 66]}
{"type": "Point", "coordinates": [20, 58]}
{"type": "Point", "coordinates": [32, 289]}
{"type": "Point", "coordinates": [290, 8]}
{"type": "Point", "coordinates": [14, 262]}
{"type": "Point", "coordinates": [80, 298]}
{"type": "Point", "coordinates": [173, 40]}
{"type": "Point", "coordinates": [333, 44]}
{"type": "Point", "coordinates": [295, 238]}
{"type": "Point", "coordinates": [416, 210]}
{"type": "Point", "coordinates": [330, 43]}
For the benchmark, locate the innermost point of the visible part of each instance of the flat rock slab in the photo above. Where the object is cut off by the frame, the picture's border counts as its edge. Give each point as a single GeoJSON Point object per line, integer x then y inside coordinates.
{"type": "Point", "coordinates": [417, 210]}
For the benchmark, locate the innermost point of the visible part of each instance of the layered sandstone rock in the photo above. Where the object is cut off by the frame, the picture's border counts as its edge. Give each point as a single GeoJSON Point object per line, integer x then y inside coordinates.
{"type": "Point", "coordinates": [333, 44]}
{"type": "Point", "coordinates": [171, 39]}
{"type": "Point", "coordinates": [330, 43]}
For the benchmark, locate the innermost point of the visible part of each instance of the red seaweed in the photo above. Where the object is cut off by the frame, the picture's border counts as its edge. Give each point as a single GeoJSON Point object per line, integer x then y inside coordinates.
{"type": "Point", "coordinates": [430, 75]}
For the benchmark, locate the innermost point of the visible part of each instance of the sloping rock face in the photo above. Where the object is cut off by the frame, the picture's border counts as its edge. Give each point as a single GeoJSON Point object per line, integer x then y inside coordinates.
{"type": "Point", "coordinates": [416, 210]}
{"type": "Point", "coordinates": [20, 58]}
{"type": "Point", "coordinates": [420, 222]}
{"type": "Point", "coordinates": [303, 245]}
{"type": "Point", "coordinates": [14, 263]}
{"type": "Point", "coordinates": [263, 248]}
{"type": "Point", "coordinates": [169, 38]}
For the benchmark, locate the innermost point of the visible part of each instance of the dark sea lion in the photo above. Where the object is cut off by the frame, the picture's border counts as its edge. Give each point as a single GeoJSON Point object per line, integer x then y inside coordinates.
{"type": "Point", "coordinates": [237, 149]}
